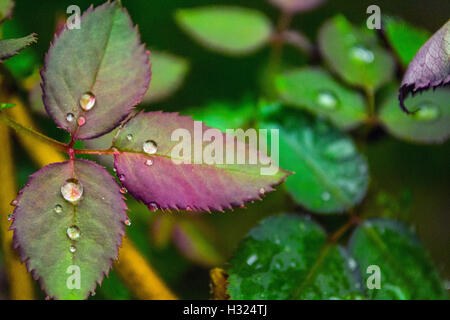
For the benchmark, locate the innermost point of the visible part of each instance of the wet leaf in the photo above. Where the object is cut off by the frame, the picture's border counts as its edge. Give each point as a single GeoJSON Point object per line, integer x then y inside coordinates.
{"type": "Point", "coordinates": [11, 47]}
{"type": "Point", "coordinates": [430, 122]}
{"type": "Point", "coordinates": [354, 54]}
{"type": "Point", "coordinates": [316, 91]}
{"type": "Point", "coordinates": [406, 269]}
{"type": "Point", "coordinates": [103, 60]}
{"type": "Point", "coordinates": [56, 235]}
{"type": "Point", "coordinates": [226, 29]}
{"type": "Point", "coordinates": [168, 73]}
{"type": "Point", "coordinates": [404, 38]}
{"type": "Point", "coordinates": [430, 67]}
{"type": "Point", "coordinates": [288, 257]}
{"type": "Point", "coordinates": [167, 169]}
{"type": "Point", "coordinates": [295, 6]}
{"type": "Point", "coordinates": [331, 176]}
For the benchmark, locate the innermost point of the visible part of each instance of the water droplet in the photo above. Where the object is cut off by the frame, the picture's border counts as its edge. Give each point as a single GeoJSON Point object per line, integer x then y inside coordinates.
{"type": "Point", "coordinates": [427, 112]}
{"type": "Point", "coordinates": [72, 190]}
{"type": "Point", "coordinates": [14, 202]}
{"type": "Point", "coordinates": [87, 101]}
{"type": "Point", "coordinates": [72, 249]}
{"type": "Point", "coordinates": [73, 232]}
{"type": "Point", "coordinates": [327, 100]}
{"type": "Point", "coordinates": [10, 217]}
{"type": "Point", "coordinates": [129, 137]}
{"type": "Point", "coordinates": [58, 208]}
{"type": "Point", "coordinates": [127, 222]}
{"type": "Point", "coordinates": [252, 259]}
{"type": "Point", "coordinates": [150, 147]}
{"type": "Point", "coordinates": [340, 149]}
{"type": "Point", "coordinates": [70, 117]}
{"type": "Point", "coordinates": [352, 264]}
{"type": "Point", "coordinates": [92, 293]}
{"type": "Point", "coordinates": [362, 54]}
{"type": "Point", "coordinates": [262, 191]}
{"type": "Point", "coordinates": [153, 206]}
{"type": "Point", "coordinates": [325, 196]}
{"type": "Point", "coordinates": [149, 162]}
{"type": "Point", "coordinates": [188, 208]}
{"type": "Point", "coordinates": [123, 190]}
{"type": "Point", "coordinates": [121, 177]}
{"type": "Point", "coordinates": [81, 121]}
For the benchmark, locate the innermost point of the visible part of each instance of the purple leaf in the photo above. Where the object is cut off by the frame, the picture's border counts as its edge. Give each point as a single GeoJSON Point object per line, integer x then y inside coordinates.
{"type": "Point", "coordinates": [102, 66]}
{"type": "Point", "coordinates": [295, 6]}
{"type": "Point", "coordinates": [430, 67]}
{"type": "Point", "coordinates": [156, 176]}
{"type": "Point", "coordinates": [69, 215]}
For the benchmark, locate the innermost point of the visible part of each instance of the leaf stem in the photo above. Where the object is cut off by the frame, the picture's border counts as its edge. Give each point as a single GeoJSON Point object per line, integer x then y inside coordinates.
{"type": "Point", "coordinates": [111, 151]}
{"type": "Point", "coordinates": [370, 93]}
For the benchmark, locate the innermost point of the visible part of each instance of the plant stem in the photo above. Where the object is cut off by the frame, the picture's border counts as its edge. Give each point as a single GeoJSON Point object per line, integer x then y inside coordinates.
{"type": "Point", "coordinates": [111, 151]}
{"type": "Point", "coordinates": [370, 93]}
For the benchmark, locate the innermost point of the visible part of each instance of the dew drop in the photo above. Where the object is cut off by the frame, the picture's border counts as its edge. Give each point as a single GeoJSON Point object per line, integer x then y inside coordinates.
{"type": "Point", "coordinates": [129, 137]}
{"type": "Point", "coordinates": [81, 121]}
{"type": "Point", "coordinates": [150, 147]}
{"type": "Point", "coordinates": [73, 232]}
{"type": "Point", "coordinates": [123, 190]}
{"type": "Point", "coordinates": [127, 222]}
{"type": "Point", "coordinates": [252, 259]}
{"type": "Point", "coordinates": [262, 191]}
{"type": "Point", "coordinates": [72, 249]}
{"type": "Point", "coordinates": [427, 112]}
{"type": "Point", "coordinates": [70, 117]}
{"type": "Point", "coordinates": [92, 293]}
{"type": "Point", "coordinates": [10, 217]}
{"type": "Point", "coordinates": [352, 264]}
{"type": "Point", "coordinates": [153, 206]}
{"type": "Point", "coordinates": [325, 196]}
{"type": "Point", "coordinates": [121, 177]}
{"type": "Point", "coordinates": [72, 190]}
{"type": "Point", "coordinates": [87, 101]}
{"type": "Point", "coordinates": [327, 100]}
{"type": "Point", "coordinates": [14, 203]}
{"type": "Point", "coordinates": [149, 162]}
{"type": "Point", "coordinates": [340, 150]}
{"type": "Point", "coordinates": [58, 208]}
{"type": "Point", "coordinates": [362, 54]}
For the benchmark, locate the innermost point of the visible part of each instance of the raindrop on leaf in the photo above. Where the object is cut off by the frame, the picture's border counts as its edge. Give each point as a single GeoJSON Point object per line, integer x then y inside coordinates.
{"type": "Point", "coordinates": [362, 54]}
{"type": "Point", "coordinates": [123, 190]}
{"type": "Point", "coordinates": [58, 208]}
{"type": "Point", "coordinates": [81, 121]}
{"type": "Point", "coordinates": [87, 101]}
{"type": "Point", "coordinates": [72, 190]}
{"type": "Point", "coordinates": [150, 147]}
{"type": "Point", "coordinates": [14, 203]}
{"type": "Point", "coordinates": [427, 112]}
{"type": "Point", "coordinates": [127, 222]}
{"type": "Point", "coordinates": [70, 117]}
{"type": "Point", "coordinates": [72, 249]}
{"type": "Point", "coordinates": [327, 100]}
{"type": "Point", "coordinates": [325, 196]}
{"type": "Point", "coordinates": [10, 217]}
{"type": "Point", "coordinates": [149, 162]}
{"type": "Point", "coordinates": [73, 232]}
{"type": "Point", "coordinates": [129, 137]}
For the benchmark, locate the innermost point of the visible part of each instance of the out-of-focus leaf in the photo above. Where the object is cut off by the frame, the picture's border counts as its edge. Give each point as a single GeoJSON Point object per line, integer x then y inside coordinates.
{"type": "Point", "coordinates": [219, 284]}
{"type": "Point", "coordinates": [288, 257]}
{"type": "Point", "coordinates": [11, 47]}
{"type": "Point", "coordinates": [161, 230]}
{"type": "Point", "coordinates": [61, 237]}
{"type": "Point", "coordinates": [226, 29]}
{"type": "Point", "coordinates": [430, 123]}
{"type": "Point", "coordinates": [430, 67]}
{"type": "Point", "coordinates": [406, 269]}
{"type": "Point", "coordinates": [6, 105]}
{"type": "Point", "coordinates": [224, 115]}
{"type": "Point", "coordinates": [104, 60]}
{"type": "Point", "coordinates": [6, 9]}
{"type": "Point", "coordinates": [404, 38]}
{"type": "Point", "coordinates": [168, 73]}
{"type": "Point", "coordinates": [354, 54]}
{"type": "Point", "coordinates": [316, 91]}
{"type": "Point", "coordinates": [168, 169]}
{"type": "Point", "coordinates": [331, 176]}
{"type": "Point", "coordinates": [295, 6]}
{"type": "Point", "coordinates": [196, 244]}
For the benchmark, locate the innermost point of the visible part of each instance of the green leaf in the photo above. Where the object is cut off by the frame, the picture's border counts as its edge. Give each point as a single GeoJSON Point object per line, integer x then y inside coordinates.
{"type": "Point", "coordinates": [288, 257]}
{"type": "Point", "coordinates": [6, 105]}
{"type": "Point", "coordinates": [226, 29]}
{"type": "Point", "coordinates": [404, 38]}
{"type": "Point", "coordinates": [57, 234]}
{"type": "Point", "coordinates": [104, 60]}
{"type": "Point", "coordinates": [6, 9]}
{"type": "Point", "coordinates": [407, 271]}
{"type": "Point", "coordinates": [331, 176]}
{"type": "Point", "coordinates": [430, 122]}
{"type": "Point", "coordinates": [168, 73]}
{"type": "Point", "coordinates": [11, 47]}
{"type": "Point", "coordinates": [224, 114]}
{"type": "Point", "coordinates": [316, 91]}
{"type": "Point", "coordinates": [354, 54]}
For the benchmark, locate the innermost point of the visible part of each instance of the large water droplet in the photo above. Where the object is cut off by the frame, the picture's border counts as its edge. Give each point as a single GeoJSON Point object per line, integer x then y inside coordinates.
{"type": "Point", "coordinates": [72, 249]}
{"type": "Point", "coordinates": [73, 232]}
{"type": "Point", "coordinates": [427, 112]}
{"type": "Point", "coordinates": [72, 190]}
{"type": "Point", "coordinates": [325, 196]}
{"type": "Point", "coordinates": [150, 147]}
{"type": "Point", "coordinates": [327, 100]}
{"type": "Point", "coordinates": [87, 101]}
{"type": "Point", "coordinates": [362, 54]}
{"type": "Point", "coordinates": [70, 117]}
{"type": "Point", "coordinates": [58, 208]}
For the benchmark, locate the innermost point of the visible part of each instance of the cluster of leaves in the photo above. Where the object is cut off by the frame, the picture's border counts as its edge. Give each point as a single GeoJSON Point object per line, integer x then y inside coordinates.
{"type": "Point", "coordinates": [91, 92]}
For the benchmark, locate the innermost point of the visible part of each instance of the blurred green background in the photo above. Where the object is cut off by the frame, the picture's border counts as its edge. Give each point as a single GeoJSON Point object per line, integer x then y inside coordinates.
{"type": "Point", "coordinates": [408, 182]}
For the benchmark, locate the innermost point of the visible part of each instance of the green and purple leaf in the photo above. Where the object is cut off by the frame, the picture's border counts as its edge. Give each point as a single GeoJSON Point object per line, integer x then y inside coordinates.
{"type": "Point", "coordinates": [163, 180]}
{"type": "Point", "coordinates": [430, 67]}
{"type": "Point", "coordinates": [42, 218]}
{"type": "Point", "coordinates": [295, 6]}
{"type": "Point", "coordinates": [104, 58]}
{"type": "Point", "coordinates": [11, 47]}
